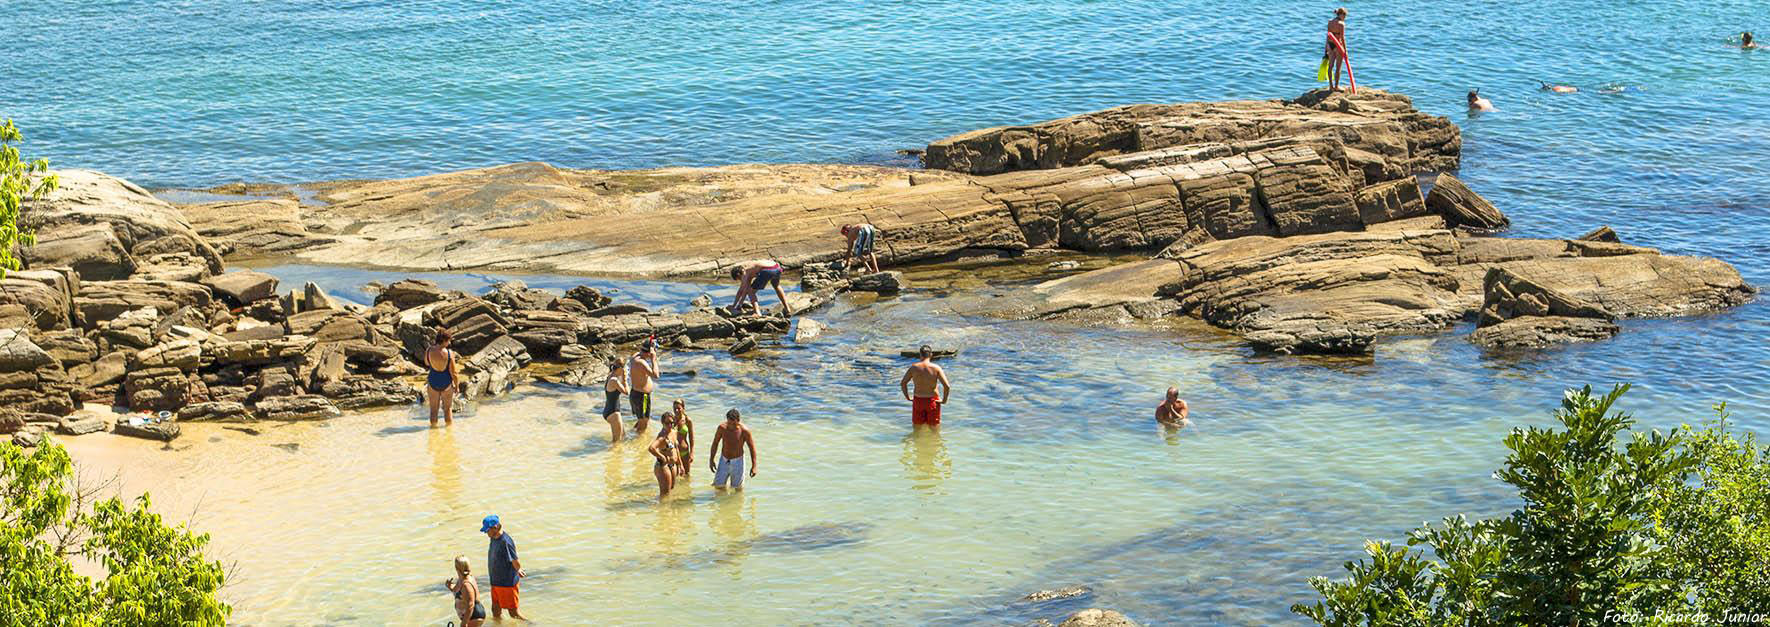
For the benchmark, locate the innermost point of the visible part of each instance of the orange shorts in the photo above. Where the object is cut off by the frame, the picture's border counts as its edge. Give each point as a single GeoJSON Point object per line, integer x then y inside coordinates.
{"type": "Point", "coordinates": [925, 411]}
{"type": "Point", "coordinates": [504, 597]}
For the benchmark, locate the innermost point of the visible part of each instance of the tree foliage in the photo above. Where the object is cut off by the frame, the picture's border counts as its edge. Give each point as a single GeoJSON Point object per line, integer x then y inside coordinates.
{"type": "Point", "coordinates": [157, 573]}
{"type": "Point", "coordinates": [1615, 526]}
{"type": "Point", "coordinates": [20, 181]}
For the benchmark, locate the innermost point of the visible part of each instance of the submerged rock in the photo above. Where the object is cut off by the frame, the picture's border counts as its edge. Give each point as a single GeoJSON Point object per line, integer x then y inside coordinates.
{"type": "Point", "coordinates": [1095, 617]}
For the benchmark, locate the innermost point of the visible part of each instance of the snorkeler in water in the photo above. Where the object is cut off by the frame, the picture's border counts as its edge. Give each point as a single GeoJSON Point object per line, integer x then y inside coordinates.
{"type": "Point", "coordinates": [1559, 89]}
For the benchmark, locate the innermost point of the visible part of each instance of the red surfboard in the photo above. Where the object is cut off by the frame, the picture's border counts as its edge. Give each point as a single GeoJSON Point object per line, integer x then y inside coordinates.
{"type": "Point", "coordinates": [1351, 83]}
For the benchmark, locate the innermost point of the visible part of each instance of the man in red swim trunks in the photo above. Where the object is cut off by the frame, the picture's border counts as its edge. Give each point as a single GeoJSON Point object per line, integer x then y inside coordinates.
{"type": "Point", "coordinates": [925, 407]}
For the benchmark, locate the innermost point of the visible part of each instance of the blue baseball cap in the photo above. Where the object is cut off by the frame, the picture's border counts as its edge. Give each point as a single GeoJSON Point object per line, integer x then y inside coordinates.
{"type": "Point", "coordinates": [488, 523]}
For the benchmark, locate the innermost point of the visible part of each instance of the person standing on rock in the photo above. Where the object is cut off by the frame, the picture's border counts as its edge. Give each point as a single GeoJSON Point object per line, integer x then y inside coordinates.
{"type": "Point", "coordinates": [613, 388]}
{"type": "Point", "coordinates": [505, 569]}
{"type": "Point", "coordinates": [925, 405]}
{"type": "Point", "coordinates": [442, 381]}
{"type": "Point", "coordinates": [726, 458]}
{"type": "Point", "coordinates": [862, 244]}
{"type": "Point", "coordinates": [642, 373]}
{"type": "Point", "coordinates": [752, 276]}
{"type": "Point", "coordinates": [1172, 411]}
{"type": "Point", "coordinates": [1336, 47]}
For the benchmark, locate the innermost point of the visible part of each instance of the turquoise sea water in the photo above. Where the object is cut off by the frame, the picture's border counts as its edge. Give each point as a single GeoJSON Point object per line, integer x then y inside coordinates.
{"type": "Point", "coordinates": [1047, 475]}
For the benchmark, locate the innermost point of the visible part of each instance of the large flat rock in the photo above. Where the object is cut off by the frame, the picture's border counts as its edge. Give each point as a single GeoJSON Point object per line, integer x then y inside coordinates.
{"type": "Point", "coordinates": [1339, 292]}
{"type": "Point", "coordinates": [1134, 178]}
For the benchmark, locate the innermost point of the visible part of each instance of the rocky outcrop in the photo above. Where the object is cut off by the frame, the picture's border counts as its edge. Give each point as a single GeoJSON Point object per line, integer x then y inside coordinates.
{"type": "Point", "coordinates": [102, 226]}
{"type": "Point", "coordinates": [1462, 207]}
{"type": "Point", "coordinates": [31, 380]}
{"type": "Point", "coordinates": [1380, 132]}
{"type": "Point", "coordinates": [1339, 292]}
{"type": "Point", "coordinates": [1095, 617]}
{"type": "Point", "coordinates": [1140, 177]}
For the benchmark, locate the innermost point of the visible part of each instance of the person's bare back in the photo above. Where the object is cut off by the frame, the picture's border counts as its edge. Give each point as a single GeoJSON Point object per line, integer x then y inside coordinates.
{"type": "Point", "coordinates": [926, 377]}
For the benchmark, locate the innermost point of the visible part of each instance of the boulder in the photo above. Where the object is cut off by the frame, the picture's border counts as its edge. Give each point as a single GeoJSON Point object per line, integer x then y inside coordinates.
{"type": "Point", "coordinates": [157, 389]}
{"type": "Point", "coordinates": [93, 251]}
{"type": "Point", "coordinates": [147, 428]}
{"type": "Point", "coordinates": [811, 278]}
{"type": "Point", "coordinates": [1543, 331]}
{"type": "Point", "coordinates": [545, 343]}
{"type": "Point", "coordinates": [258, 352]}
{"type": "Point", "coordinates": [1066, 592]}
{"type": "Point", "coordinates": [1095, 617]}
{"type": "Point", "coordinates": [1508, 295]}
{"type": "Point", "coordinates": [183, 355]}
{"type": "Point", "coordinates": [11, 422]}
{"type": "Point", "coordinates": [939, 353]}
{"type": "Point", "coordinates": [274, 382]}
{"type": "Point", "coordinates": [568, 306]}
{"type": "Point", "coordinates": [704, 301]}
{"type": "Point", "coordinates": [19, 353]}
{"type": "Point", "coordinates": [67, 346]}
{"type": "Point", "coordinates": [517, 295]}
{"type": "Point", "coordinates": [138, 221]}
{"type": "Point", "coordinates": [269, 311]}
{"type": "Point", "coordinates": [888, 282]}
{"type": "Point", "coordinates": [743, 345]}
{"type": "Point", "coordinates": [807, 330]}
{"type": "Point", "coordinates": [495, 369]}
{"type": "Point", "coordinates": [215, 411]}
{"type": "Point", "coordinates": [1639, 285]}
{"type": "Point", "coordinates": [304, 407]}
{"type": "Point", "coordinates": [589, 297]}
{"type": "Point", "coordinates": [241, 287]}
{"type": "Point", "coordinates": [27, 439]}
{"type": "Point", "coordinates": [80, 424]}
{"type": "Point", "coordinates": [172, 267]}
{"type": "Point", "coordinates": [1462, 207]}
{"type": "Point", "coordinates": [617, 310]}
{"type": "Point", "coordinates": [409, 293]}
{"type": "Point", "coordinates": [46, 297]}
{"type": "Point", "coordinates": [102, 301]}
{"type": "Point", "coordinates": [360, 392]}
{"type": "Point", "coordinates": [1389, 201]}
{"type": "Point", "coordinates": [1601, 234]}
{"type": "Point", "coordinates": [315, 299]}
{"type": "Point", "coordinates": [330, 325]}
{"type": "Point", "coordinates": [104, 371]}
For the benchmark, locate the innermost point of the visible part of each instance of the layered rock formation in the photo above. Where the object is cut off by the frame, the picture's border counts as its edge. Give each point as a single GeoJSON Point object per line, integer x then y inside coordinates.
{"type": "Point", "coordinates": [1142, 177]}
{"type": "Point", "coordinates": [1338, 292]}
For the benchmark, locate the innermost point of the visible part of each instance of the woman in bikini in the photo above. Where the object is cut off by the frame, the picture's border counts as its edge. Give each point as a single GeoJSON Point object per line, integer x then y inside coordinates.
{"type": "Point", "coordinates": [663, 450]}
{"type": "Point", "coordinates": [684, 435]}
{"type": "Point", "coordinates": [467, 604]}
{"type": "Point", "coordinates": [613, 388]}
{"type": "Point", "coordinates": [441, 383]}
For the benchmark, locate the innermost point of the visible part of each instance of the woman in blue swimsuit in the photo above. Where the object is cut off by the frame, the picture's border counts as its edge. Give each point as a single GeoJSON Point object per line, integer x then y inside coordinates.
{"type": "Point", "coordinates": [440, 384]}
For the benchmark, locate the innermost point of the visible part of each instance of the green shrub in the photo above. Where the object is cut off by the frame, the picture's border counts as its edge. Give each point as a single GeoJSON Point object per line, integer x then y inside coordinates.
{"type": "Point", "coordinates": [157, 573]}
{"type": "Point", "coordinates": [1654, 528]}
{"type": "Point", "coordinates": [20, 181]}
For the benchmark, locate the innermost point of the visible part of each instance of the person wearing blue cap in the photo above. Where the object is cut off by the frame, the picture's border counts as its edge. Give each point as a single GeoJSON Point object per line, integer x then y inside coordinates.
{"type": "Point", "coordinates": [506, 571]}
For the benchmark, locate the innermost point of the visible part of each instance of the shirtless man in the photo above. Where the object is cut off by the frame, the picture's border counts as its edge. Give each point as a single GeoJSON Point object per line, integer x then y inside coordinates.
{"type": "Point", "coordinates": [1172, 411]}
{"type": "Point", "coordinates": [925, 407]}
{"type": "Point", "coordinates": [1336, 30]}
{"type": "Point", "coordinates": [1477, 103]}
{"type": "Point", "coordinates": [726, 459]}
{"type": "Point", "coordinates": [1745, 41]}
{"type": "Point", "coordinates": [862, 243]}
{"type": "Point", "coordinates": [1560, 89]}
{"type": "Point", "coordinates": [752, 276]}
{"type": "Point", "coordinates": [642, 378]}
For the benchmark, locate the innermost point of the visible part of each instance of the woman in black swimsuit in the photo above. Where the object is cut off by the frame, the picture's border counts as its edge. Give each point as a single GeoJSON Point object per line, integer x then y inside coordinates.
{"type": "Point", "coordinates": [467, 605]}
{"type": "Point", "coordinates": [614, 387]}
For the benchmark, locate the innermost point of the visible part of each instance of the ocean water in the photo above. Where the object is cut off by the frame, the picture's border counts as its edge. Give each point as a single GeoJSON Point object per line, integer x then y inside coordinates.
{"type": "Point", "coordinates": [1049, 472]}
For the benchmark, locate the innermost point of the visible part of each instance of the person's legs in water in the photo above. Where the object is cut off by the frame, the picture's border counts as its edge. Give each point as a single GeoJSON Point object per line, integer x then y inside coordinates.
{"type": "Point", "coordinates": [448, 405]}
{"type": "Point", "coordinates": [666, 479]}
{"type": "Point", "coordinates": [641, 404]}
{"type": "Point", "coordinates": [432, 398]}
